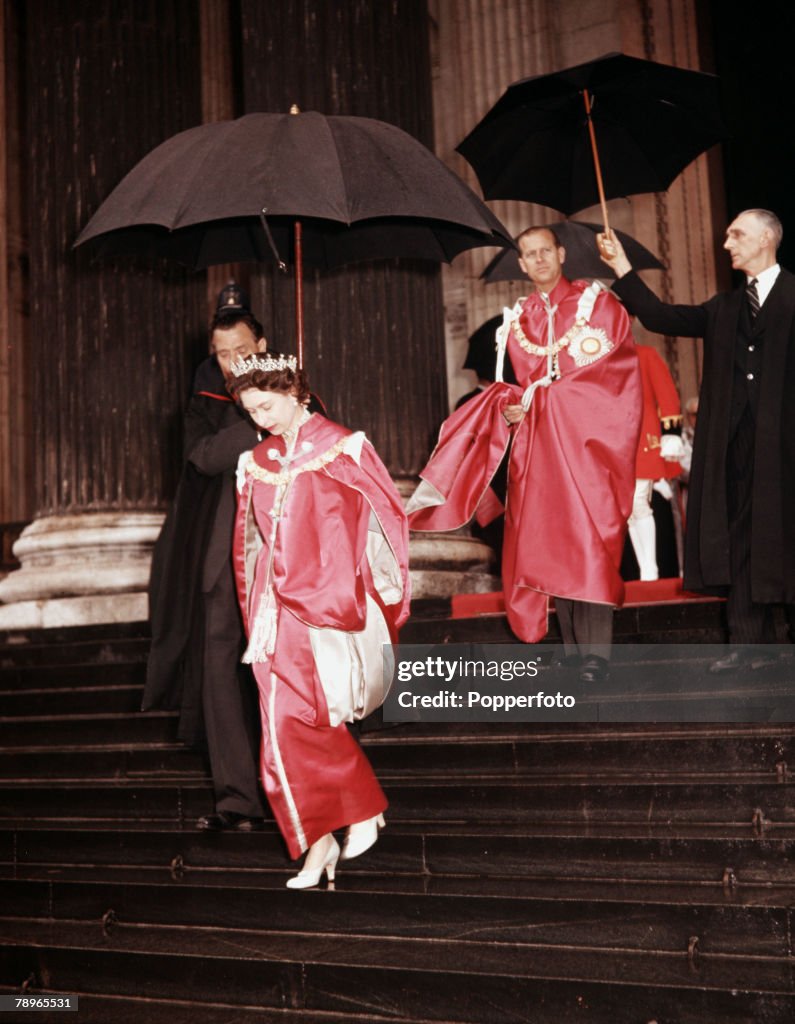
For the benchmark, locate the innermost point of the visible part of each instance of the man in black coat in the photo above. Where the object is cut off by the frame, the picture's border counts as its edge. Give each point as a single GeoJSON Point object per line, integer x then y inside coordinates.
{"type": "Point", "coordinates": [740, 537]}
{"type": "Point", "coordinates": [197, 632]}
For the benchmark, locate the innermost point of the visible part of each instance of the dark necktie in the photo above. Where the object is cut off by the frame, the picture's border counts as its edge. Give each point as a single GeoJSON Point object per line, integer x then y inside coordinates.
{"type": "Point", "coordinates": [753, 297]}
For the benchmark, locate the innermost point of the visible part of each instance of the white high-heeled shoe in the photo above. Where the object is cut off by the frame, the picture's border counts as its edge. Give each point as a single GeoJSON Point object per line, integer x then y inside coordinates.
{"type": "Point", "coordinates": [327, 853]}
{"type": "Point", "coordinates": [361, 836]}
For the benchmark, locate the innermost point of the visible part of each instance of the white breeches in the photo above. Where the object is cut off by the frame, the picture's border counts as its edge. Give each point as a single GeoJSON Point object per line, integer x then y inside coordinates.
{"type": "Point", "coordinates": [643, 532]}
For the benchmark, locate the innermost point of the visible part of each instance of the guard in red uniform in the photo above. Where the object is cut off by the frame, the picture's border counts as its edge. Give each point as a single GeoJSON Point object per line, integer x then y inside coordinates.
{"type": "Point", "coordinates": [659, 448]}
{"type": "Point", "coordinates": [572, 424]}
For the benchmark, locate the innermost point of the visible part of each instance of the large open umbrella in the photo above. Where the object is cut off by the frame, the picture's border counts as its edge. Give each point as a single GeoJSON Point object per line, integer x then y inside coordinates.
{"type": "Point", "coordinates": [332, 190]}
{"type": "Point", "coordinates": [578, 238]}
{"type": "Point", "coordinates": [539, 141]}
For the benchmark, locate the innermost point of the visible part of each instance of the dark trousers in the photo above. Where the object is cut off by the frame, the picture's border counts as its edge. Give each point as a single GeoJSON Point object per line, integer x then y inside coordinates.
{"type": "Point", "coordinates": [586, 628]}
{"type": "Point", "coordinates": [229, 704]}
{"type": "Point", "coordinates": [749, 622]}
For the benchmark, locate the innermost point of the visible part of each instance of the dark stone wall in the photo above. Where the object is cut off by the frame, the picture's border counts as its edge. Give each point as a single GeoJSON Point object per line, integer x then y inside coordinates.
{"type": "Point", "coordinates": [374, 334]}
{"type": "Point", "coordinates": [753, 58]}
{"type": "Point", "coordinates": [107, 80]}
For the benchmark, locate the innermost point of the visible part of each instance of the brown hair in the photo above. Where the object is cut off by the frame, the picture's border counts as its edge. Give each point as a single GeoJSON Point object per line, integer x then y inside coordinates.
{"type": "Point", "coordinates": [539, 227]}
{"type": "Point", "coordinates": [287, 381]}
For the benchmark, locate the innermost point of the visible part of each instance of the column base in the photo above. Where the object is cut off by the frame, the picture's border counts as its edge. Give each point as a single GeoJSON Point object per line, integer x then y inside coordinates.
{"type": "Point", "coordinates": [443, 564]}
{"type": "Point", "coordinates": [80, 570]}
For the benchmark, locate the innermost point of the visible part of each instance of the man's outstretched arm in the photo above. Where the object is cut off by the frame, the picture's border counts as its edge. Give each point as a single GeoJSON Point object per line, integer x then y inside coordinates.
{"type": "Point", "coordinates": [655, 315]}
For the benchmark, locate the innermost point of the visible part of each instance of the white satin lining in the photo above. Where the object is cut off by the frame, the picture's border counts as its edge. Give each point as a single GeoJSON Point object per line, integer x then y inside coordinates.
{"type": "Point", "coordinates": [425, 496]}
{"type": "Point", "coordinates": [351, 666]}
{"type": "Point", "coordinates": [277, 758]}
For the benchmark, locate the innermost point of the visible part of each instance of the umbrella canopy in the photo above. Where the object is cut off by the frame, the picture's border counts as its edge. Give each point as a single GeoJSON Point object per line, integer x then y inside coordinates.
{"type": "Point", "coordinates": [363, 190]}
{"type": "Point", "coordinates": [650, 120]}
{"type": "Point", "coordinates": [578, 238]}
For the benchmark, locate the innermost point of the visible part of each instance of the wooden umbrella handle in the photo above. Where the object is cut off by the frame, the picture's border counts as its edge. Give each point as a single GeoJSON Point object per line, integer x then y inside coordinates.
{"type": "Point", "coordinates": [596, 164]}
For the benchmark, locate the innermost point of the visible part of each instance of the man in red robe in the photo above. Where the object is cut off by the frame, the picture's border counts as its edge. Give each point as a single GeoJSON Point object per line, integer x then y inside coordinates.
{"type": "Point", "coordinates": [572, 424]}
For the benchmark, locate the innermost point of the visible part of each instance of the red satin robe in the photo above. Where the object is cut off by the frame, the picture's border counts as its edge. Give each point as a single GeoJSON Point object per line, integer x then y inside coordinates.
{"type": "Point", "coordinates": [572, 464]}
{"type": "Point", "coordinates": [315, 569]}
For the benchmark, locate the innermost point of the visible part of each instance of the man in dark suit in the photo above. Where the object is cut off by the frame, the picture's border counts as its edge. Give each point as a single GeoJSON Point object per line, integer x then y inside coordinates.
{"type": "Point", "coordinates": [197, 631]}
{"type": "Point", "coordinates": [741, 506]}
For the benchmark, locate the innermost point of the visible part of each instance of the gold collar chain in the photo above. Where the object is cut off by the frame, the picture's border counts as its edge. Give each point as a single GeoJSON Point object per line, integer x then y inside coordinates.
{"type": "Point", "coordinates": [546, 350]}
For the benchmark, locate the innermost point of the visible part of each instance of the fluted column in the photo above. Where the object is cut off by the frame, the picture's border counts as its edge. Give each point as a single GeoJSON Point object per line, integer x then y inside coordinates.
{"type": "Point", "coordinates": [107, 80]}
{"type": "Point", "coordinates": [16, 442]}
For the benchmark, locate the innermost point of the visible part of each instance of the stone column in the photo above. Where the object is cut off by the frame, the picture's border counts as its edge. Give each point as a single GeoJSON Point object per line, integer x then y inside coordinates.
{"type": "Point", "coordinates": [107, 80]}
{"type": "Point", "coordinates": [16, 442]}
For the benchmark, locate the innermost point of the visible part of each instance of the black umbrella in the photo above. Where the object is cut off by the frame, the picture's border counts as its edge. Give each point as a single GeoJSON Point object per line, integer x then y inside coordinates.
{"type": "Point", "coordinates": [334, 189]}
{"type": "Point", "coordinates": [538, 142]}
{"type": "Point", "coordinates": [578, 238]}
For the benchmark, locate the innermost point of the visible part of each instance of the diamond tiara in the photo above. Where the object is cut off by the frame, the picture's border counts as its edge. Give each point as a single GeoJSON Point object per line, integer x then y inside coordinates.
{"type": "Point", "coordinates": [267, 363]}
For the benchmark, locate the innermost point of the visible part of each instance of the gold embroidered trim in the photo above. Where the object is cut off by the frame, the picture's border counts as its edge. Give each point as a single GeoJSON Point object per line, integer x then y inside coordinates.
{"type": "Point", "coordinates": [671, 421]}
{"type": "Point", "coordinates": [286, 476]}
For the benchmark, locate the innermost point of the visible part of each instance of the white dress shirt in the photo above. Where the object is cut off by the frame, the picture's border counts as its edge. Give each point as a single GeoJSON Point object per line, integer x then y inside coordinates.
{"type": "Point", "coordinates": [765, 281]}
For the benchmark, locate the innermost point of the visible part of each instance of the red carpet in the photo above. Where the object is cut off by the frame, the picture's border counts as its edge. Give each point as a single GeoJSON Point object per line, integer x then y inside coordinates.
{"type": "Point", "coordinates": [467, 606]}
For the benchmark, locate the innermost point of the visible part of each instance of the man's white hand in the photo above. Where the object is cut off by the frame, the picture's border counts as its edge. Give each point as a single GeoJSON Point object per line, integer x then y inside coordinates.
{"type": "Point", "coordinates": [612, 252]}
{"type": "Point", "coordinates": [513, 414]}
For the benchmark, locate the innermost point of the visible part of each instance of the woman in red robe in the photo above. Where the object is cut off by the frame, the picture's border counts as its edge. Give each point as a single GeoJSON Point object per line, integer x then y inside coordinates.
{"type": "Point", "coordinates": [321, 561]}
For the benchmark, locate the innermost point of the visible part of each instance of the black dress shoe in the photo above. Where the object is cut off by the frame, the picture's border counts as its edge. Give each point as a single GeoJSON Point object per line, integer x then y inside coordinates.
{"type": "Point", "coordinates": [736, 660]}
{"type": "Point", "coordinates": [565, 661]}
{"type": "Point", "coordinates": [224, 821]}
{"type": "Point", "coordinates": [594, 669]}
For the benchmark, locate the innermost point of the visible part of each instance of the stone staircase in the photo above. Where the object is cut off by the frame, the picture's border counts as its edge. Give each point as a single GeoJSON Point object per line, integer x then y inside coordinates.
{"type": "Point", "coordinates": [617, 874]}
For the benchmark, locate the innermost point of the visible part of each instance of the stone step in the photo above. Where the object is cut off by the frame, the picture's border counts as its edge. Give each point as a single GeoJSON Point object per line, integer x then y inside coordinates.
{"type": "Point", "coordinates": [66, 677]}
{"type": "Point", "coordinates": [726, 856]}
{"type": "Point", "coordinates": [269, 868]}
{"type": "Point", "coordinates": [114, 697]}
{"type": "Point", "coordinates": [628, 799]}
{"type": "Point", "coordinates": [79, 645]}
{"type": "Point", "coordinates": [751, 921]}
{"type": "Point", "coordinates": [686, 622]}
{"type": "Point", "coordinates": [546, 749]}
{"type": "Point", "coordinates": [96, 730]}
{"type": "Point", "coordinates": [760, 751]}
{"type": "Point", "coordinates": [460, 978]}
{"type": "Point", "coordinates": [69, 634]}
{"type": "Point", "coordinates": [80, 764]}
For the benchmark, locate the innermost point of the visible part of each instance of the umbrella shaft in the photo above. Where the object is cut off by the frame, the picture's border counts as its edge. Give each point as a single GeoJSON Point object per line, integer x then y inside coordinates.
{"type": "Point", "coordinates": [596, 164]}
